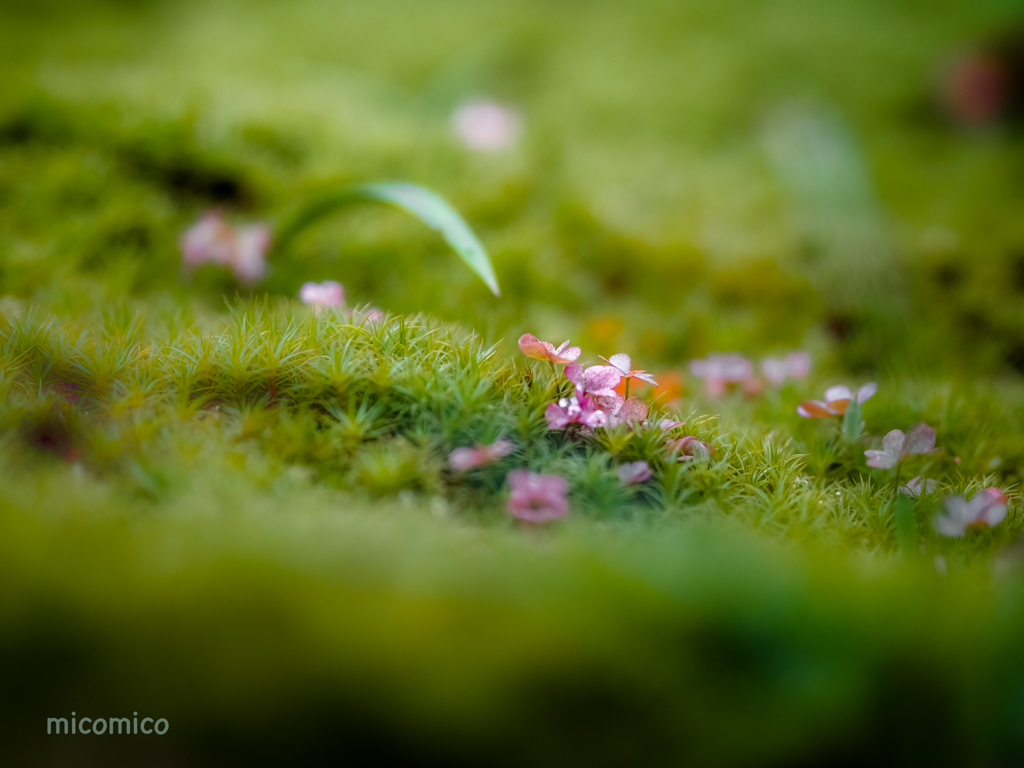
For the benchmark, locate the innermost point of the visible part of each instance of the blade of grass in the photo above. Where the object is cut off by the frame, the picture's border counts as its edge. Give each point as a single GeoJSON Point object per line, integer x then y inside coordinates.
{"type": "Point", "coordinates": [425, 205]}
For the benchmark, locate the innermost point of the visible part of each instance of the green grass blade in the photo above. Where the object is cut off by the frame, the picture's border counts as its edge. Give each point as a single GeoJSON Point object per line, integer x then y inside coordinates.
{"type": "Point", "coordinates": [425, 205]}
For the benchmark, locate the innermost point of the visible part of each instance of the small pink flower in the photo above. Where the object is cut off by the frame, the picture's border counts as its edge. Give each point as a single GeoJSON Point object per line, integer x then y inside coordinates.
{"type": "Point", "coordinates": [462, 459]}
{"type": "Point", "coordinates": [533, 347]}
{"type": "Point", "coordinates": [636, 472]}
{"type": "Point", "coordinates": [536, 498]}
{"type": "Point", "coordinates": [669, 424]}
{"type": "Point", "coordinates": [836, 401]}
{"type": "Point", "coordinates": [721, 372]}
{"type": "Point", "coordinates": [690, 448]}
{"type": "Point", "coordinates": [986, 510]}
{"type": "Point", "coordinates": [896, 446]}
{"type": "Point", "coordinates": [795, 365]}
{"type": "Point", "coordinates": [623, 364]}
{"type": "Point", "coordinates": [579, 410]}
{"type": "Point", "coordinates": [486, 126]}
{"type": "Point", "coordinates": [243, 249]}
{"type": "Point", "coordinates": [326, 294]}
{"type": "Point", "coordinates": [597, 380]}
{"type": "Point", "coordinates": [918, 485]}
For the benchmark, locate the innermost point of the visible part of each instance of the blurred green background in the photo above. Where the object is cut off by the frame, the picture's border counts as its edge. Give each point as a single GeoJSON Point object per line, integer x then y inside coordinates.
{"type": "Point", "coordinates": [692, 176]}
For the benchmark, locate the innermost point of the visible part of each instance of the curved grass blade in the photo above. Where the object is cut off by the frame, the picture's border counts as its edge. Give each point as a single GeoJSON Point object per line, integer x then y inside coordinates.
{"type": "Point", "coordinates": [426, 206]}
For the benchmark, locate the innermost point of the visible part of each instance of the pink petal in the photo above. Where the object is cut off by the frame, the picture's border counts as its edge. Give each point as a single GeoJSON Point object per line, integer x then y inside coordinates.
{"type": "Point", "coordinates": [533, 347]}
{"type": "Point", "coordinates": [955, 521]}
{"type": "Point", "coordinates": [636, 472]}
{"type": "Point", "coordinates": [634, 409]}
{"type": "Point", "coordinates": [668, 424]}
{"type": "Point", "coordinates": [839, 392]}
{"type": "Point", "coordinates": [462, 459]}
{"type": "Point", "coordinates": [643, 376]}
{"type": "Point", "coordinates": [574, 373]}
{"type": "Point", "coordinates": [557, 416]}
{"type": "Point", "coordinates": [879, 459]}
{"type": "Point", "coordinates": [567, 354]}
{"type": "Point", "coordinates": [866, 392]}
{"type": "Point", "coordinates": [920, 438]}
{"type": "Point", "coordinates": [610, 404]}
{"type": "Point", "coordinates": [620, 362]}
{"type": "Point", "coordinates": [774, 370]}
{"type": "Point", "coordinates": [893, 443]}
{"type": "Point", "coordinates": [601, 377]}
{"type": "Point", "coordinates": [814, 409]}
{"type": "Point", "coordinates": [799, 364]}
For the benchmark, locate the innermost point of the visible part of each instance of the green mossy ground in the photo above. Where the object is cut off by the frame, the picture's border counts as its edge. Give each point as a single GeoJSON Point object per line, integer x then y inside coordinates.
{"type": "Point", "coordinates": [220, 508]}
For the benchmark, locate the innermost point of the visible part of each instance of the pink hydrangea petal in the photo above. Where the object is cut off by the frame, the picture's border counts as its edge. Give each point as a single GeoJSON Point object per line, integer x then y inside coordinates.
{"type": "Point", "coordinates": [774, 370]}
{"type": "Point", "coordinates": [536, 498]}
{"type": "Point", "coordinates": [601, 377]}
{"type": "Point", "coordinates": [920, 438]}
{"type": "Point", "coordinates": [462, 459]}
{"type": "Point", "coordinates": [956, 518]}
{"type": "Point", "coordinates": [500, 448]}
{"type": "Point", "coordinates": [814, 409]}
{"type": "Point", "coordinates": [866, 392]}
{"type": "Point", "coordinates": [838, 392]}
{"type": "Point", "coordinates": [634, 409]}
{"type": "Point", "coordinates": [250, 256]}
{"type": "Point", "coordinates": [635, 472]}
{"type": "Point", "coordinates": [878, 459]}
{"type": "Point", "coordinates": [610, 404]}
{"type": "Point", "coordinates": [621, 362]}
{"type": "Point", "coordinates": [556, 416]}
{"type": "Point", "coordinates": [668, 424]}
{"type": "Point", "coordinates": [893, 443]}
{"type": "Point", "coordinates": [644, 376]}
{"type": "Point", "coordinates": [799, 364]}
{"type": "Point", "coordinates": [533, 347]}
{"type": "Point", "coordinates": [574, 373]}
{"type": "Point", "coordinates": [567, 354]}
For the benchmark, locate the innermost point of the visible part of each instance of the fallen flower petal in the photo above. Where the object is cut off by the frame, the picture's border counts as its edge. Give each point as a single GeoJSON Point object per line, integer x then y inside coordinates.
{"type": "Point", "coordinates": [635, 472]}
{"type": "Point", "coordinates": [462, 459]}
{"type": "Point", "coordinates": [918, 485]}
{"type": "Point", "coordinates": [243, 249]}
{"type": "Point", "coordinates": [985, 510]}
{"type": "Point", "coordinates": [533, 347]}
{"type": "Point", "coordinates": [920, 438]}
{"type": "Point", "coordinates": [892, 447]}
{"type": "Point", "coordinates": [536, 498]}
{"type": "Point", "coordinates": [329, 293]}
{"type": "Point", "coordinates": [486, 126]}
{"type": "Point", "coordinates": [691, 448]}
{"type": "Point", "coordinates": [837, 400]}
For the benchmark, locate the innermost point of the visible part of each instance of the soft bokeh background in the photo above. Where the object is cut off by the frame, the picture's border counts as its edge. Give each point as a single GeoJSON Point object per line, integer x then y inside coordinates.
{"type": "Point", "coordinates": [692, 176]}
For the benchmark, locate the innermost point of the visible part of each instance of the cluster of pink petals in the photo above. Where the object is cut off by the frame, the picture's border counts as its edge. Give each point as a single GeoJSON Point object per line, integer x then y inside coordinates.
{"type": "Point", "coordinates": [624, 365]}
{"type": "Point", "coordinates": [836, 401]}
{"type": "Point", "coordinates": [326, 294]}
{"type": "Point", "coordinates": [690, 448]}
{"type": "Point", "coordinates": [462, 459]}
{"type": "Point", "coordinates": [242, 249]}
{"type": "Point", "coordinates": [536, 498]}
{"type": "Point", "coordinates": [795, 365]}
{"type": "Point", "coordinates": [486, 126]}
{"type": "Point", "coordinates": [896, 446]}
{"type": "Point", "coordinates": [721, 372]}
{"type": "Point", "coordinates": [985, 510]}
{"type": "Point", "coordinates": [594, 401]}
{"type": "Point", "coordinates": [917, 486]}
{"type": "Point", "coordinates": [635, 472]}
{"type": "Point", "coordinates": [533, 347]}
